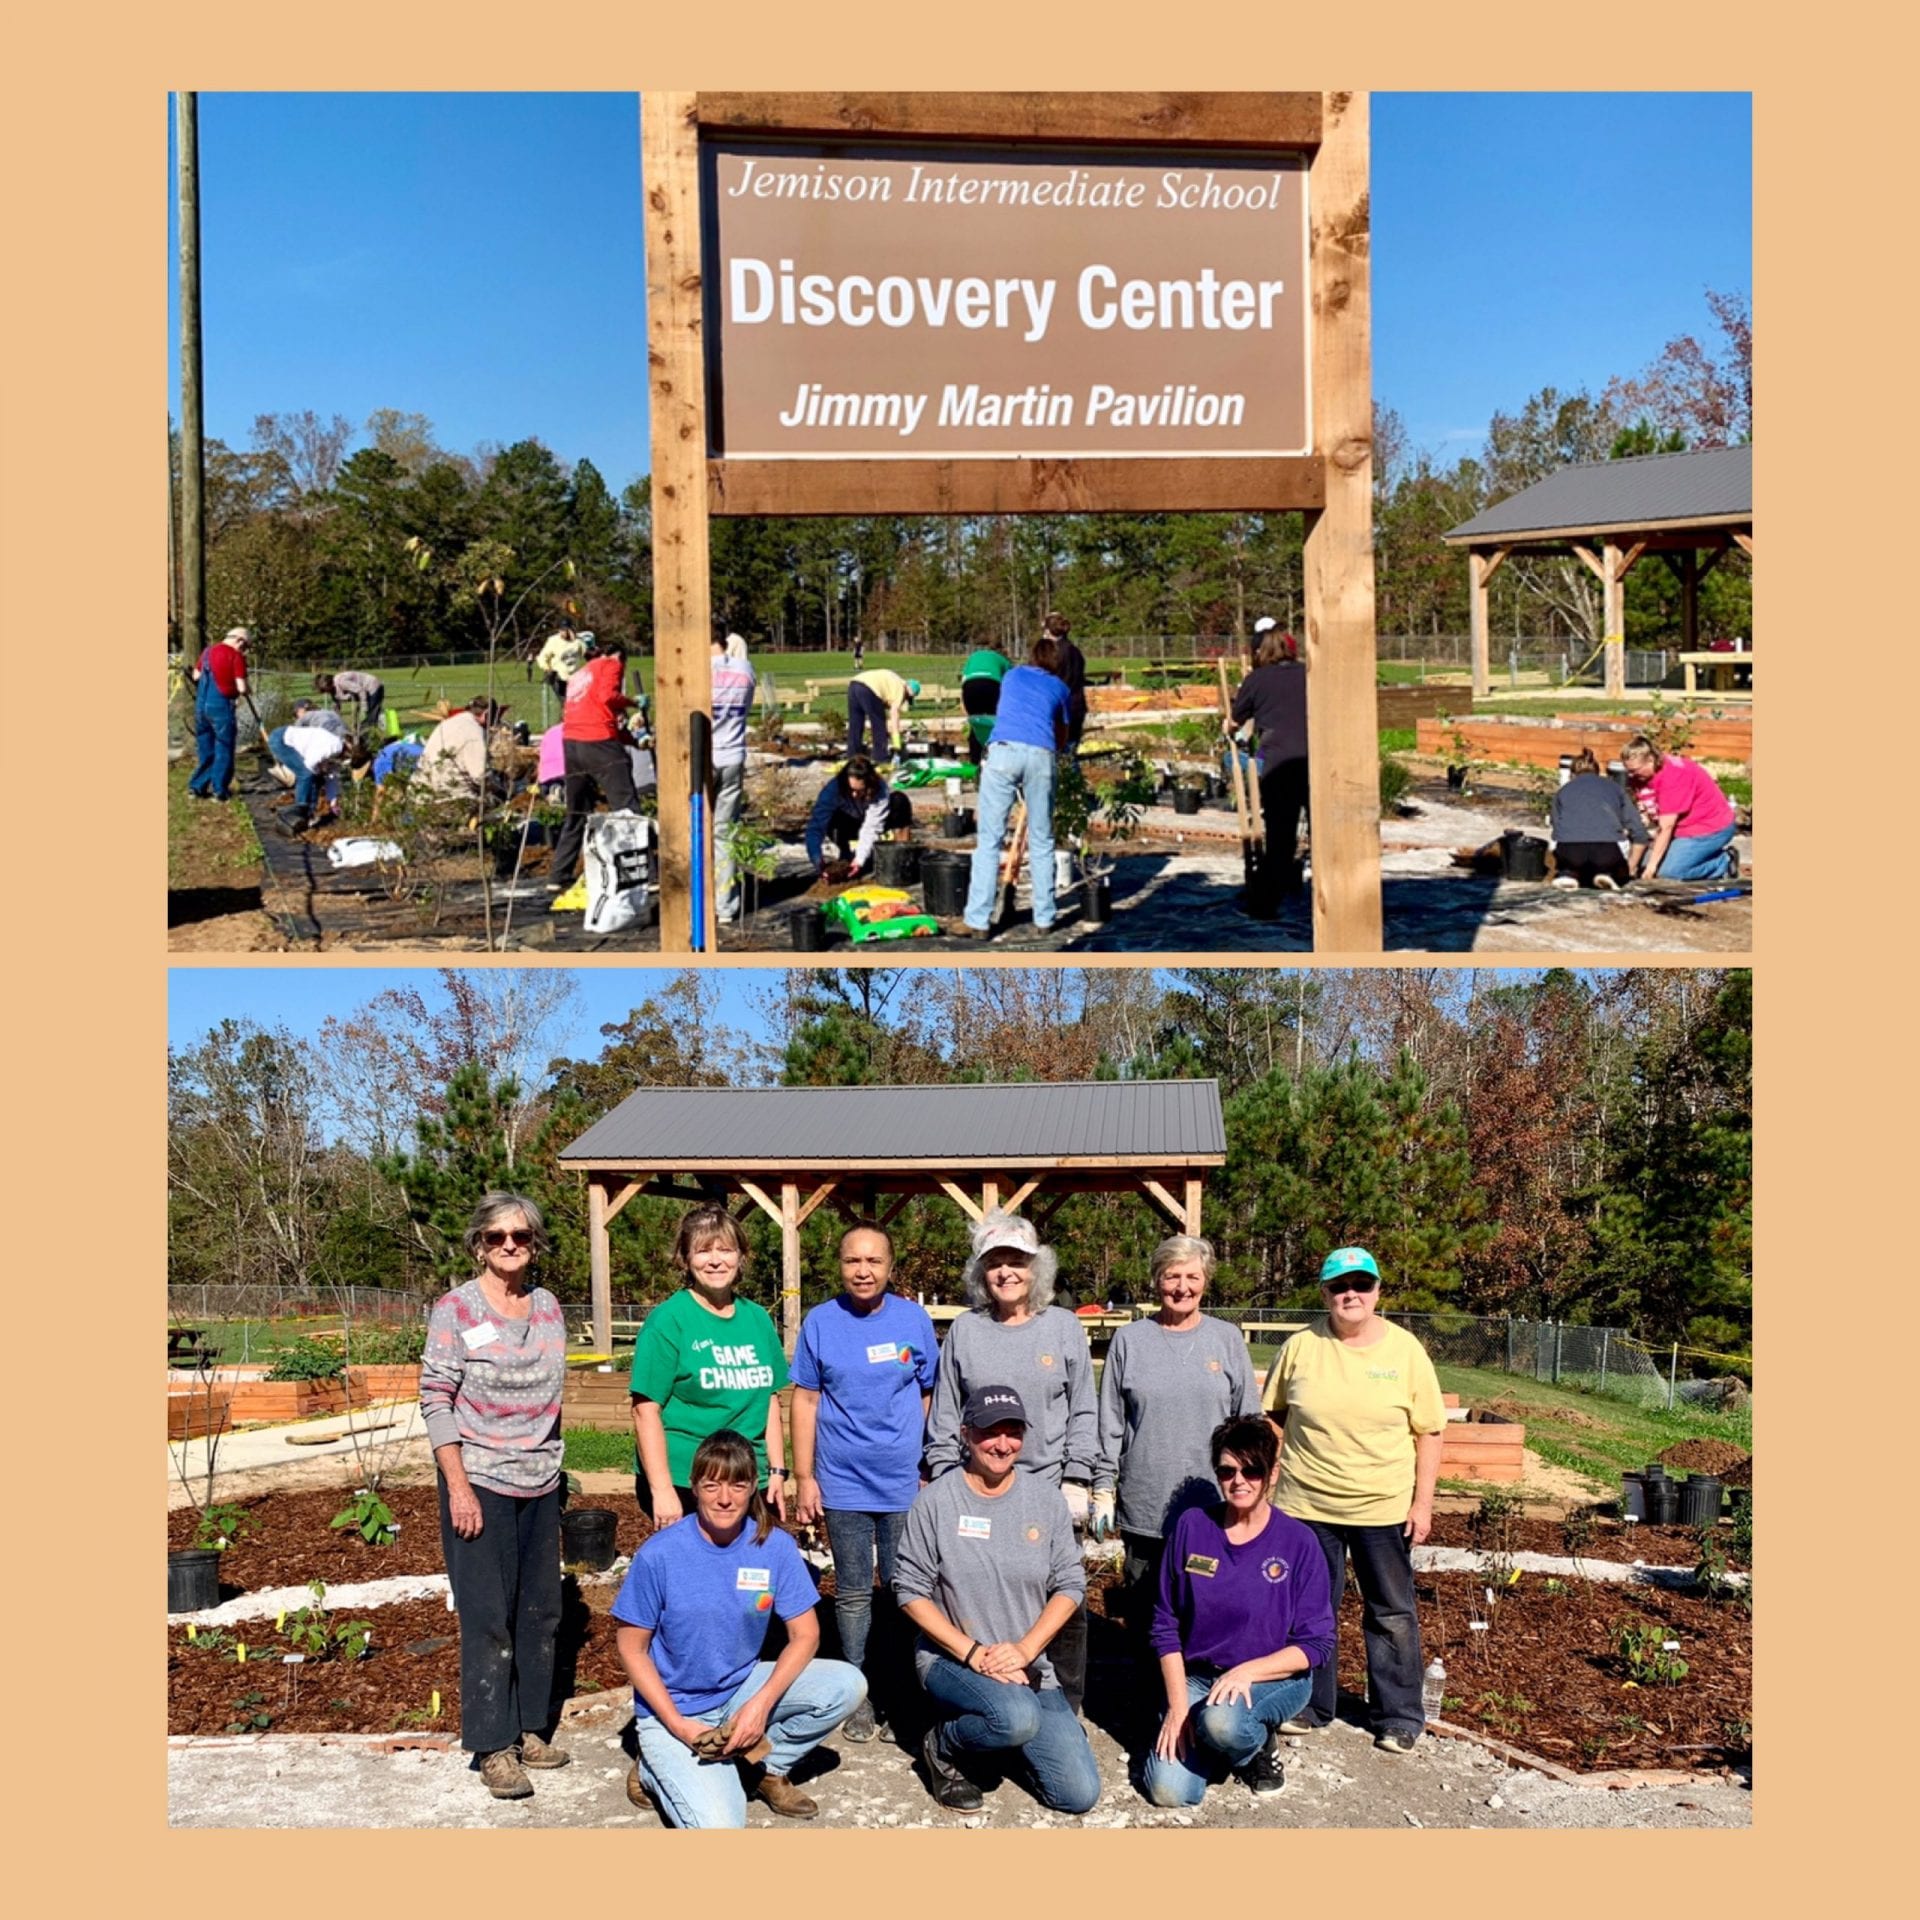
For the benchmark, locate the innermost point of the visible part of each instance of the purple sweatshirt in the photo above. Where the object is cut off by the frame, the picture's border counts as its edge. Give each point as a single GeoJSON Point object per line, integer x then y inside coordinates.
{"type": "Point", "coordinates": [1221, 1604]}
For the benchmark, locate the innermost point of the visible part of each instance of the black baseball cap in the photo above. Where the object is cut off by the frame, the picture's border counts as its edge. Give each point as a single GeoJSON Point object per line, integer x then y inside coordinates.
{"type": "Point", "coordinates": [988, 1406]}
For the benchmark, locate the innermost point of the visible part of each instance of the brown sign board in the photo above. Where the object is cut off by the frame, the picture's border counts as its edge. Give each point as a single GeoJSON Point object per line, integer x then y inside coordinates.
{"type": "Point", "coordinates": [927, 303]}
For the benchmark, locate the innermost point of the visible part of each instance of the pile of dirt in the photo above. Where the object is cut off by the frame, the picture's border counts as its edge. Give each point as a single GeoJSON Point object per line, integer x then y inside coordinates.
{"type": "Point", "coordinates": [1706, 1456]}
{"type": "Point", "coordinates": [1739, 1475]}
{"type": "Point", "coordinates": [1520, 1411]}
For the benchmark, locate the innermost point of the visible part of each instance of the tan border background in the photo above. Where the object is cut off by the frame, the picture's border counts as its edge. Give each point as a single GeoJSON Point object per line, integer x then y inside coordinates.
{"type": "Point", "coordinates": [81, 471]}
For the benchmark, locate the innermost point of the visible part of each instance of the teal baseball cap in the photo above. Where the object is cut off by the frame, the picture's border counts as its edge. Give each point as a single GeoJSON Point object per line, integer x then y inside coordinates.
{"type": "Point", "coordinates": [1343, 1261]}
{"type": "Point", "coordinates": [913, 689]}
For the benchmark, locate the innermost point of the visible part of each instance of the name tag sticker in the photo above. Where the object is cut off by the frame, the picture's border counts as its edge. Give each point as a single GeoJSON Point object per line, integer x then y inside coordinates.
{"type": "Point", "coordinates": [887, 1350]}
{"type": "Point", "coordinates": [1204, 1564]}
{"type": "Point", "coordinates": [752, 1579]}
{"type": "Point", "coordinates": [484, 1335]}
{"type": "Point", "coordinates": [975, 1526]}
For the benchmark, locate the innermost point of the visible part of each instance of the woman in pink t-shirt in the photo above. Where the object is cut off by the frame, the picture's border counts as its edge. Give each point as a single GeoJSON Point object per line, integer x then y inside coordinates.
{"type": "Point", "coordinates": [1695, 822]}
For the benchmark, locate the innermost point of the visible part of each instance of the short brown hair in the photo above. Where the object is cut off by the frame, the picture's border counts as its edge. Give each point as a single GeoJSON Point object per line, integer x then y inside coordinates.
{"type": "Point", "coordinates": [707, 1227]}
{"type": "Point", "coordinates": [729, 1456]}
{"type": "Point", "coordinates": [1584, 762]}
{"type": "Point", "coordinates": [1056, 624]}
{"type": "Point", "coordinates": [1640, 747]}
{"type": "Point", "coordinates": [1250, 1439]}
{"type": "Point", "coordinates": [1275, 648]}
{"type": "Point", "coordinates": [1045, 654]}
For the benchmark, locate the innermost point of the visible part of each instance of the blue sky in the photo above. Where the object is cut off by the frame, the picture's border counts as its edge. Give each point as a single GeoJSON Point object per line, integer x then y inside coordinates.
{"type": "Point", "coordinates": [477, 257]}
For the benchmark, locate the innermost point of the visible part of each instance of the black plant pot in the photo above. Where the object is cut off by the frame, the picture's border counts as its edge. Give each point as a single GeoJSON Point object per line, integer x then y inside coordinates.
{"type": "Point", "coordinates": [808, 928]}
{"type": "Point", "coordinates": [1098, 898]}
{"type": "Point", "coordinates": [193, 1579]}
{"type": "Point", "coordinates": [1186, 799]}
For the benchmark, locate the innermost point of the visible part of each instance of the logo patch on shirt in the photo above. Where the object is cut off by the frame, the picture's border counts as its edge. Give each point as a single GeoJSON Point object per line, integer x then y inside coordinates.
{"type": "Point", "coordinates": [975, 1526]}
{"type": "Point", "coordinates": [1204, 1564]}
{"type": "Point", "coordinates": [752, 1579]}
{"type": "Point", "coordinates": [1275, 1569]}
{"type": "Point", "coordinates": [1213, 1366]}
{"type": "Point", "coordinates": [1046, 1359]}
{"type": "Point", "coordinates": [763, 1603]}
{"type": "Point", "coordinates": [886, 1350]}
{"type": "Point", "coordinates": [1383, 1373]}
{"type": "Point", "coordinates": [905, 1356]}
{"type": "Point", "coordinates": [1033, 1533]}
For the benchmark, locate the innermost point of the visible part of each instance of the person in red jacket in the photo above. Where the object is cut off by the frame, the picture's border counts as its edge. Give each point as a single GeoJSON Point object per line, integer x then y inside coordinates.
{"type": "Point", "coordinates": [597, 765]}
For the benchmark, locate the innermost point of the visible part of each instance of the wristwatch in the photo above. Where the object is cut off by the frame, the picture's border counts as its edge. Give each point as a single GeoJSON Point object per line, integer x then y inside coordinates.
{"type": "Point", "coordinates": [776, 1473]}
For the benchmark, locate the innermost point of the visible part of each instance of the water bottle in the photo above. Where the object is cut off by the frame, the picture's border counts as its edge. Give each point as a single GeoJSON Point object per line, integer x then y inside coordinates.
{"type": "Point", "coordinates": [1433, 1688]}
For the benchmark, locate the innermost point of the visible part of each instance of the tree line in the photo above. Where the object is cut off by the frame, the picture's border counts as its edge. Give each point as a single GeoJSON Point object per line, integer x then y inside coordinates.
{"type": "Point", "coordinates": [1576, 1145]}
{"type": "Point", "coordinates": [403, 548]}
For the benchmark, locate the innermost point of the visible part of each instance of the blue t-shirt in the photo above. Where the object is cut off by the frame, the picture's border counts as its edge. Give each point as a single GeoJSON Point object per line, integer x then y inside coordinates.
{"type": "Point", "coordinates": [870, 1370]}
{"type": "Point", "coordinates": [1033, 707]}
{"type": "Point", "coordinates": [710, 1607]}
{"type": "Point", "coordinates": [400, 753]}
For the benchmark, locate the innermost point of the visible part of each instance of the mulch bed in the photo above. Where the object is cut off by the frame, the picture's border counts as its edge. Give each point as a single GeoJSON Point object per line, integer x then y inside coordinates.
{"type": "Point", "coordinates": [1657, 1546]}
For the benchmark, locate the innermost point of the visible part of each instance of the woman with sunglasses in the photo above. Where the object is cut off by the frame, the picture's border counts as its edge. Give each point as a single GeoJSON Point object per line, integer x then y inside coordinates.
{"type": "Point", "coordinates": [705, 1361]}
{"type": "Point", "coordinates": [490, 1386]}
{"type": "Point", "coordinates": [1244, 1619]}
{"type": "Point", "coordinates": [1358, 1407]}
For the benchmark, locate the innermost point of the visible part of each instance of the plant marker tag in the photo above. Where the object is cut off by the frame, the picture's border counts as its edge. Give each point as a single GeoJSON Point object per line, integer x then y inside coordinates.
{"type": "Point", "coordinates": [1476, 1626]}
{"type": "Point", "coordinates": [1669, 1646]}
{"type": "Point", "coordinates": [1489, 1596]}
{"type": "Point", "coordinates": [280, 1621]}
{"type": "Point", "coordinates": [449, 1599]}
{"type": "Point", "coordinates": [1513, 1579]}
{"type": "Point", "coordinates": [395, 1528]}
{"type": "Point", "coordinates": [240, 1652]}
{"type": "Point", "coordinates": [293, 1659]}
{"type": "Point", "coordinates": [193, 1633]}
{"type": "Point", "coordinates": [434, 1706]}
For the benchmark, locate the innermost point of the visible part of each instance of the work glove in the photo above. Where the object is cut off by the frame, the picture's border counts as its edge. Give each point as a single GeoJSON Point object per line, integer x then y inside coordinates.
{"type": "Point", "coordinates": [1076, 1498]}
{"type": "Point", "coordinates": [1102, 1519]}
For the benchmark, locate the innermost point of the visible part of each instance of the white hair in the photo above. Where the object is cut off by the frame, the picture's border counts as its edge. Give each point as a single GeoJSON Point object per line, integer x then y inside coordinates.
{"type": "Point", "coordinates": [1045, 1268]}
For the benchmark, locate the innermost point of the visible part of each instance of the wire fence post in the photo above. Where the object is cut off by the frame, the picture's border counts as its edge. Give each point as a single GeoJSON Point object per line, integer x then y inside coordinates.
{"type": "Point", "coordinates": [1673, 1374]}
{"type": "Point", "coordinates": [1509, 1343]}
{"type": "Point", "coordinates": [1559, 1341]}
{"type": "Point", "coordinates": [1606, 1334]}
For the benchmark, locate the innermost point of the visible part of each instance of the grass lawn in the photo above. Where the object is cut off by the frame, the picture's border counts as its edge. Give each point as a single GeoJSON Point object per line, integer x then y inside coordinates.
{"type": "Point", "coordinates": [595, 1450]}
{"type": "Point", "coordinates": [208, 845]}
{"type": "Point", "coordinates": [1590, 1433]}
{"type": "Point", "coordinates": [246, 1342]}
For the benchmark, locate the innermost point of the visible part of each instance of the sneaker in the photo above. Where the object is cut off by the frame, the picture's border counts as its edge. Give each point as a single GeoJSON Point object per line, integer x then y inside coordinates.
{"type": "Point", "coordinates": [506, 1778]}
{"type": "Point", "coordinates": [860, 1725]}
{"type": "Point", "coordinates": [775, 1790]}
{"type": "Point", "coordinates": [637, 1791]}
{"type": "Point", "coordinates": [1299, 1726]}
{"type": "Point", "coordinates": [966, 930]}
{"type": "Point", "coordinates": [1565, 880]}
{"type": "Point", "coordinates": [1264, 1773]}
{"type": "Point", "coordinates": [951, 1787]}
{"type": "Point", "coordinates": [1606, 883]}
{"type": "Point", "coordinates": [1733, 864]}
{"type": "Point", "coordinates": [292, 821]}
{"type": "Point", "coordinates": [535, 1752]}
{"type": "Point", "coordinates": [1395, 1742]}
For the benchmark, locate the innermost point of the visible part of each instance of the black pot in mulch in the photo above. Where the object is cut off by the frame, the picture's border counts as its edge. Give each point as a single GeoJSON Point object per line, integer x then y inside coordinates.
{"type": "Point", "coordinates": [586, 1538]}
{"type": "Point", "coordinates": [193, 1579]}
{"type": "Point", "coordinates": [808, 929]}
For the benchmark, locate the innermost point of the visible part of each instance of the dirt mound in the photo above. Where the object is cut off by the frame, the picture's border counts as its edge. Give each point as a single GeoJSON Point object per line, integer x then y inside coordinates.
{"type": "Point", "coordinates": [1740, 1475]}
{"type": "Point", "coordinates": [1519, 1410]}
{"type": "Point", "coordinates": [1706, 1456]}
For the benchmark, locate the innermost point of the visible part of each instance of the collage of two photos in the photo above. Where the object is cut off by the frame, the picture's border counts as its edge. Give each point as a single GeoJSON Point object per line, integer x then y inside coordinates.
{"type": "Point", "coordinates": [960, 896]}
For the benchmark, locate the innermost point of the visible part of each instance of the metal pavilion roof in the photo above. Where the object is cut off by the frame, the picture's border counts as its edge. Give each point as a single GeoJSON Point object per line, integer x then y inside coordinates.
{"type": "Point", "coordinates": [1714, 487]}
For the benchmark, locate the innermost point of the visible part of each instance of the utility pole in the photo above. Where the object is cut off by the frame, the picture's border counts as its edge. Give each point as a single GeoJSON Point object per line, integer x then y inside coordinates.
{"type": "Point", "coordinates": [193, 456]}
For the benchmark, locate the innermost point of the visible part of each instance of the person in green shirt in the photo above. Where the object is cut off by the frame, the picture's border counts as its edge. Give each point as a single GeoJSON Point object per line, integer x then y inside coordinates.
{"type": "Point", "coordinates": [705, 1360]}
{"type": "Point", "coordinates": [980, 681]}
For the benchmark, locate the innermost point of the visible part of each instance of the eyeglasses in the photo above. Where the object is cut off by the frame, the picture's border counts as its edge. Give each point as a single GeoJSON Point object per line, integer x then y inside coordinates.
{"type": "Point", "coordinates": [507, 1237]}
{"type": "Point", "coordinates": [1349, 1286]}
{"type": "Point", "coordinates": [1226, 1475]}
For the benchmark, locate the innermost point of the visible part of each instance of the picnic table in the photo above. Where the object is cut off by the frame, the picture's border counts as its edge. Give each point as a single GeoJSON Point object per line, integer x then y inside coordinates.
{"type": "Point", "coordinates": [1722, 671]}
{"type": "Point", "coordinates": [187, 1344]}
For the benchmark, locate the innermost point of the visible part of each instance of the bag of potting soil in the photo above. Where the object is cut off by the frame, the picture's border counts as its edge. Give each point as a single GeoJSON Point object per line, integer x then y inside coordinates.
{"type": "Point", "coordinates": [619, 868]}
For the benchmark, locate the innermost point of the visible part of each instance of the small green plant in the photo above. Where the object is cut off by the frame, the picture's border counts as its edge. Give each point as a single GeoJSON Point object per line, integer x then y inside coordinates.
{"type": "Point", "coordinates": [369, 1516]}
{"type": "Point", "coordinates": [1395, 778]}
{"type": "Point", "coordinates": [215, 1640]}
{"type": "Point", "coordinates": [1506, 1711]}
{"type": "Point", "coordinates": [311, 1632]}
{"type": "Point", "coordinates": [250, 1714]}
{"type": "Point", "coordinates": [1736, 1735]}
{"type": "Point", "coordinates": [1494, 1523]}
{"type": "Point", "coordinates": [754, 854]}
{"type": "Point", "coordinates": [1555, 1588]}
{"type": "Point", "coordinates": [307, 1360]}
{"type": "Point", "coordinates": [1592, 1748]}
{"type": "Point", "coordinates": [1652, 1659]}
{"type": "Point", "coordinates": [1710, 1565]}
{"type": "Point", "coordinates": [402, 1346]}
{"type": "Point", "coordinates": [1578, 1529]}
{"type": "Point", "coordinates": [221, 1526]}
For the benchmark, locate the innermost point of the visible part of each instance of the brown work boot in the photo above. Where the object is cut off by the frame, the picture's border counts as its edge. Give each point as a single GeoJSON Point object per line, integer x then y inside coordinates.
{"type": "Point", "coordinates": [778, 1792]}
{"type": "Point", "coordinates": [637, 1791]}
{"type": "Point", "coordinates": [506, 1778]}
{"type": "Point", "coordinates": [535, 1752]}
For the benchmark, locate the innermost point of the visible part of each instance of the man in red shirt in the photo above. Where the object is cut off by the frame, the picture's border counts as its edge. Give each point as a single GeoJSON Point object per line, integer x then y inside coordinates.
{"type": "Point", "coordinates": [219, 681]}
{"type": "Point", "coordinates": [597, 765]}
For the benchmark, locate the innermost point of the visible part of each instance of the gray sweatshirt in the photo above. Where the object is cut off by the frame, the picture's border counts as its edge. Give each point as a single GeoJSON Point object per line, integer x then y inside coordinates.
{"type": "Point", "coordinates": [1592, 809]}
{"type": "Point", "coordinates": [1046, 1362]}
{"type": "Point", "coordinates": [989, 1564]}
{"type": "Point", "coordinates": [1161, 1396]}
{"type": "Point", "coordinates": [493, 1387]}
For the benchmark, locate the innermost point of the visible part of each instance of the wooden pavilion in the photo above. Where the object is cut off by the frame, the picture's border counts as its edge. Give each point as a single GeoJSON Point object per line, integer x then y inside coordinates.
{"type": "Point", "coordinates": [1691, 509]}
{"type": "Point", "coordinates": [868, 1151]}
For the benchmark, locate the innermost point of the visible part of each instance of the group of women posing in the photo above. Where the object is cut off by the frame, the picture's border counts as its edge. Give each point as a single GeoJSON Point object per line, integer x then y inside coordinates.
{"type": "Point", "coordinates": [957, 1474]}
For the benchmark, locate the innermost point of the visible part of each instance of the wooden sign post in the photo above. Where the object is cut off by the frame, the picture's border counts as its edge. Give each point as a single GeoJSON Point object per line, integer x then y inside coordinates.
{"type": "Point", "coordinates": [968, 303]}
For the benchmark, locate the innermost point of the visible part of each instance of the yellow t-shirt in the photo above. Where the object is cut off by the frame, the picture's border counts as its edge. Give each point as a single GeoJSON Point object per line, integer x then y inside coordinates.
{"type": "Point", "coordinates": [891, 688]}
{"type": "Point", "coordinates": [1352, 1413]}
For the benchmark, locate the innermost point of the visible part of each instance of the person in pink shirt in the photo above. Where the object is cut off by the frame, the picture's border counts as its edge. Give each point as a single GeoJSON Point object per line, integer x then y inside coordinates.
{"type": "Point", "coordinates": [1694, 821]}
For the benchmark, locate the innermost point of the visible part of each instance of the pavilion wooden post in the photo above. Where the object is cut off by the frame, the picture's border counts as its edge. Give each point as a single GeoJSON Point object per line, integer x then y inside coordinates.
{"type": "Point", "coordinates": [600, 1263]}
{"type": "Point", "coordinates": [1479, 572]}
{"type": "Point", "coordinates": [1613, 617]}
{"type": "Point", "coordinates": [682, 624]}
{"type": "Point", "coordinates": [1343, 736]}
{"type": "Point", "coordinates": [789, 1265]}
{"type": "Point", "coordinates": [1195, 1188]}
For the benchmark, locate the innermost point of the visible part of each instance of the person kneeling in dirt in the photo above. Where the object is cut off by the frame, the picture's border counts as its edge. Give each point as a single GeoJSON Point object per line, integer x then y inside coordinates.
{"type": "Point", "coordinates": [312, 747]}
{"type": "Point", "coordinates": [1591, 817]}
{"type": "Point", "coordinates": [716, 1723]}
{"type": "Point", "coordinates": [990, 1572]}
{"type": "Point", "coordinates": [1696, 823]}
{"type": "Point", "coordinates": [854, 809]}
{"type": "Point", "coordinates": [1244, 1616]}
{"type": "Point", "coordinates": [456, 763]}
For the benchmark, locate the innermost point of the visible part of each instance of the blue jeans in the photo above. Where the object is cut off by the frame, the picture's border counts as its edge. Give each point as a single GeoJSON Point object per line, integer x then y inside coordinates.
{"type": "Point", "coordinates": [1223, 1738]}
{"type": "Point", "coordinates": [1383, 1567]}
{"type": "Point", "coordinates": [306, 783]}
{"type": "Point", "coordinates": [987, 1716]}
{"type": "Point", "coordinates": [696, 1793]}
{"type": "Point", "coordinates": [215, 730]}
{"type": "Point", "coordinates": [1013, 770]}
{"type": "Point", "coordinates": [1699, 857]}
{"type": "Point", "coordinates": [857, 1539]}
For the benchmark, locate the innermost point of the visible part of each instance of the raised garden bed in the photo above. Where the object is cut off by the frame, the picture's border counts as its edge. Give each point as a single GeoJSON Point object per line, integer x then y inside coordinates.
{"type": "Point", "coordinates": [388, 1382]}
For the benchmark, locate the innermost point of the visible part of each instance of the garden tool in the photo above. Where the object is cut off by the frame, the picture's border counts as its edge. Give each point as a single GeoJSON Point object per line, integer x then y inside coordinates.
{"type": "Point", "coordinates": [1011, 859]}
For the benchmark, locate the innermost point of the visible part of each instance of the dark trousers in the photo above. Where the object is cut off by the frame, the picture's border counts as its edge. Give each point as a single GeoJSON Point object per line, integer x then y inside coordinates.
{"type": "Point", "coordinates": [1383, 1567]}
{"type": "Point", "coordinates": [862, 1543]}
{"type": "Point", "coordinates": [1068, 1652]}
{"type": "Point", "coordinates": [595, 768]}
{"type": "Point", "coordinates": [1584, 858]}
{"type": "Point", "coordinates": [1139, 1590]}
{"type": "Point", "coordinates": [866, 709]}
{"type": "Point", "coordinates": [506, 1590]}
{"type": "Point", "coordinates": [1283, 800]}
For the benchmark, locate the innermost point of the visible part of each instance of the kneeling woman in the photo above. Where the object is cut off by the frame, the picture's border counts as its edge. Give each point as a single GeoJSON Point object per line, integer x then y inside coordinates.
{"type": "Point", "coordinates": [989, 1572]}
{"type": "Point", "coordinates": [1245, 1615]}
{"type": "Point", "coordinates": [694, 1613]}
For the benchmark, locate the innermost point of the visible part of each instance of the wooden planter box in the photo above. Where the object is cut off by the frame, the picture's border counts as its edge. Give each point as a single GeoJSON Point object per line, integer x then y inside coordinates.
{"type": "Point", "coordinates": [596, 1399]}
{"type": "Point", "coordinates": [189, 1415]}
{"type": "Point", "coordinates": [272, 1400]}
{"type": "Point", "coordinates": [1490, 1450]}
{"type": "Point", "coordinates": [388, 1382]}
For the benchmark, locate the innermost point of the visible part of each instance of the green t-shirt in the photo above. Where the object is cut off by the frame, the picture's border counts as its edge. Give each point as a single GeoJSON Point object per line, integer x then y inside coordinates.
{"type": "Point", "coordinates": [706, 1371]}
{"type": "Point", "coordinates": [986, 664]}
